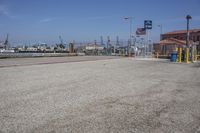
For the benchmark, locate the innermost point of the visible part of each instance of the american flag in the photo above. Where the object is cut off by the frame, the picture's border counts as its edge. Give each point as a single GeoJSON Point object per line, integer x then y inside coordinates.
{"type": "Point", "coordinates": [140, 31]}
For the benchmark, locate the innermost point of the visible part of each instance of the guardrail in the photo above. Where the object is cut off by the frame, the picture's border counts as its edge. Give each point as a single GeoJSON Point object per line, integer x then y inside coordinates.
{"type": "Point", "coordinates": [24, 55]}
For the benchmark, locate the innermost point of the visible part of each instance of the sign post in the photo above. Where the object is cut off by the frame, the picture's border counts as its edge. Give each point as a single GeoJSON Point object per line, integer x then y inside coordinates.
{"type": "Point", "coordinates": [147, 26]}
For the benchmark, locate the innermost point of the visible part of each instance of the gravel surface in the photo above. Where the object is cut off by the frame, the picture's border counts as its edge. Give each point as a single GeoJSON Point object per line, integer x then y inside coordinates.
{"type": "Point", "coordinates": [106, 96]}
{"type": "Point", "coordinates": [11, 62]}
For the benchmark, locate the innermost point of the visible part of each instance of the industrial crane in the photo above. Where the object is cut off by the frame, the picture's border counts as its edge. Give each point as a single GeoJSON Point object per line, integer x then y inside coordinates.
{"type": "Point", "coordinates": [61, 45]}
{"type": "Point", "coordinates": [6, 43]}
{"type": "Point", "coordinates": [61, 40]}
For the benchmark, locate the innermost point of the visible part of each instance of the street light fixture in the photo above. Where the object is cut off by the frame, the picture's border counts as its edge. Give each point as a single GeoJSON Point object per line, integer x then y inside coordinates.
{"type": "Point", "coordinates": [129, 45]}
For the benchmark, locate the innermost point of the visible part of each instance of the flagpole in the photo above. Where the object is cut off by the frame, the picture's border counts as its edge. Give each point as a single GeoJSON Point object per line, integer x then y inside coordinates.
{"type": "Point", "coordinates": [130, 42]}
{"type": "Point", "coordinates": [143, 31]}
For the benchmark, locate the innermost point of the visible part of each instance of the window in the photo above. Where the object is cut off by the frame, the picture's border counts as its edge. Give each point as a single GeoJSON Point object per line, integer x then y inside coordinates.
{"type": "Point", "coordinates": [198, 38]}
{"type": "Point", "coordinates": [194, 38]}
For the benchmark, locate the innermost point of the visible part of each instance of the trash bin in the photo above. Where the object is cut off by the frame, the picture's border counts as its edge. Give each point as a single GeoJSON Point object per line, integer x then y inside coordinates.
{"type": "Point", "coordinates": [173, 57]}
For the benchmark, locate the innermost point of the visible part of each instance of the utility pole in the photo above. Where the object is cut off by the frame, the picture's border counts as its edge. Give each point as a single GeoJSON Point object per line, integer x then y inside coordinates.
{"type": "Point", "coordinates": [117, 41]}
{"type": "Point", "coordinates": [161, 31]}
{"type": "Point", "coordinates": [108, 45]}
{"type": "Point", "coordinates": [101, 41]}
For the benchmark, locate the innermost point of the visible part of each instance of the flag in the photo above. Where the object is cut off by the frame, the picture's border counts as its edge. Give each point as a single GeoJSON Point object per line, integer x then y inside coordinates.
{"type": "Point", "coordinates": [140, 31]}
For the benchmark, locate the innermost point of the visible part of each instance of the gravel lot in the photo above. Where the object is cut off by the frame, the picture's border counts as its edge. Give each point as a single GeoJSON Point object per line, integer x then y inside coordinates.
{"type": "Point", "coordinates": [11, 62]}
{"type": "Point", "coordinates": [121, 95]}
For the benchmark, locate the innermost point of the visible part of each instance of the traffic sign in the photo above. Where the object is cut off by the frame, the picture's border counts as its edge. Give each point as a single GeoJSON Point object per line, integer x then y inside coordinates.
{"type": "Point", "coordinates": [148, 24]}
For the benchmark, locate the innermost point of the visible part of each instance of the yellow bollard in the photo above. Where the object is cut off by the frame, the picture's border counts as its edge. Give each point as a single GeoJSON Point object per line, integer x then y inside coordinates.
{"type": "Point", "coordinates": [186, 55]}
{"type": "Point", "coordinates": [176, 54]}
{"type": "Point", "coordinates": [193, 55]}
{"type": "Point", "coordinates": [180, 55]}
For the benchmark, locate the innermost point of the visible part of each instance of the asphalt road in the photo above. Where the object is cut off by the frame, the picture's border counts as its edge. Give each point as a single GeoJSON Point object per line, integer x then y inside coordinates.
{"type": "Point", "coordinates": [119, 95]}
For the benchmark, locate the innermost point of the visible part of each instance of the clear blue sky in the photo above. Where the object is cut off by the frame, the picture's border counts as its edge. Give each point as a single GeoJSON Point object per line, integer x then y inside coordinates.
{"type": "Point", "coordinates": [87, 20]}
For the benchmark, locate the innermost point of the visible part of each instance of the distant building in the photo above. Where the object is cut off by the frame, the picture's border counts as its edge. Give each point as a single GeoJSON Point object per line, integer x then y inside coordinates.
{"type": "Point", "coordinates": [2, 46]}
{"type": "Point", "coordinates": [94, 47]}
{"type": "Point", "coordinates": [7, 51]}
{"type": "Point", "coordinates": [171, 40]}
{"type": "Point", "coordinates": [31, 49]}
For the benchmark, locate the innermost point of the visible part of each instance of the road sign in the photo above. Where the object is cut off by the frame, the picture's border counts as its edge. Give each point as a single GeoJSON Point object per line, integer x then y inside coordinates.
{"type": "Point", "coordinates": [148, 24]}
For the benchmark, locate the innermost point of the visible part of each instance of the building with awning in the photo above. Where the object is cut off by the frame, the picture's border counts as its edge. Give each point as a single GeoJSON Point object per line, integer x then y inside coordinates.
{"type": "Point", "coordinates": [175, 39]}
{"type": "Point", "coordinates": [167, 46]}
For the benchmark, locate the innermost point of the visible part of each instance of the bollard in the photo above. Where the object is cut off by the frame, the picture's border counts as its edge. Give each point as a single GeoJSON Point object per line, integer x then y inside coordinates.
{"type": "Point", "coordinates": [180, 55]}
{"type": "Point", "coordinates": [177, 55]}
{"type": "Point", "coordinates": [157, 55]}
{"type": "Point", "coordinates": [193, 54]}
{"type": "Point", "coordinates": [186, 55]}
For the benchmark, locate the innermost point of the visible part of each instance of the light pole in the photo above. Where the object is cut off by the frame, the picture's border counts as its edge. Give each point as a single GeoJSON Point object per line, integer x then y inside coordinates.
{"type": "Point", "coordinates": [161, 31]}
{"type": "Point", "coordinates": [188, 17]}
{"type": "Point", "coordinates": [129, 45]}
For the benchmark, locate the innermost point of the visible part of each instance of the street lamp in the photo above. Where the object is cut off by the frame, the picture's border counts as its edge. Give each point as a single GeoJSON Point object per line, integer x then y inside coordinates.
{"type": "Point", "coordinates": [188, 17]}
{"type": "Point", "coordinates": [129, 45]}
{"type": "Point", "coordinates": [161, 30]}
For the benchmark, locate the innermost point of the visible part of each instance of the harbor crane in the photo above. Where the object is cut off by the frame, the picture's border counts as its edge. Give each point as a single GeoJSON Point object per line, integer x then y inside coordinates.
{"type": "Point", "coordinates": [61, 40]}
{"type": "Point", "coordinates": [102, 44]}
{"type": "Point", "coordinates": [61, 45]}
{"type": "Point", "coordinates": [6, 43]}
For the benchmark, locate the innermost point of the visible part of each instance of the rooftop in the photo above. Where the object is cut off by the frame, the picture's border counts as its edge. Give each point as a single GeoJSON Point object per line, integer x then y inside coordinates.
{"type": "Point", "coordinates": [172, 41]}
{"type": "Point", "coordinates": [182, 31]}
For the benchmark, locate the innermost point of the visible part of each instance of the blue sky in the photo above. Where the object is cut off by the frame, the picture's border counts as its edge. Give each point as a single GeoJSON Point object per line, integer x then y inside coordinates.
{"type": "Point", "coordinates": [87, 20]}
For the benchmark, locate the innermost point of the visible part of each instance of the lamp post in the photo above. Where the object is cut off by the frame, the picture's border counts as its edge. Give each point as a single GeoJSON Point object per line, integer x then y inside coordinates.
{"type": "Point", "coordinates": [161, 31]}
{"type": "Point", "coordinates": [129, 45]}
{"type": "Point", "coordinates": [188, 17]}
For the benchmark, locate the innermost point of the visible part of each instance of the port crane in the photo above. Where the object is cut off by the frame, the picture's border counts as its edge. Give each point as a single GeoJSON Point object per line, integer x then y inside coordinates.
{"type": "Point", "coordinates": [61, 40]}
{"type": "Point", "coordinates": [61, 45]}
{"type": "Point", "coordinates": [6, 43]}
